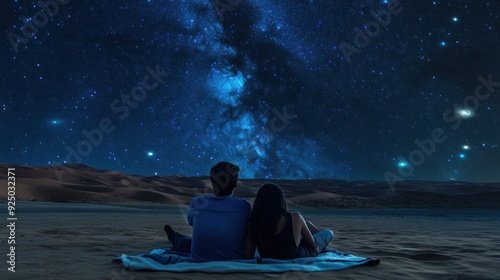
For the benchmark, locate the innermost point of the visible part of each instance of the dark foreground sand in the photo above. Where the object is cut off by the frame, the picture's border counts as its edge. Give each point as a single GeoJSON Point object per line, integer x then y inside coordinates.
{"type": "Point", "coordinates": [78, 241]}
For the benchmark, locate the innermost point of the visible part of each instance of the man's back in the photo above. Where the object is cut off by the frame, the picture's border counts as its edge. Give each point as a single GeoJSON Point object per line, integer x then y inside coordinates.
{"type": "Point", "coordinates": [219, 227]}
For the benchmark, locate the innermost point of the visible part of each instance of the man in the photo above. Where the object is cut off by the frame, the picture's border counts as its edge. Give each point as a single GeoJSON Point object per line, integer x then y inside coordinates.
{"type": "Point", "coordinates": [219, 220]}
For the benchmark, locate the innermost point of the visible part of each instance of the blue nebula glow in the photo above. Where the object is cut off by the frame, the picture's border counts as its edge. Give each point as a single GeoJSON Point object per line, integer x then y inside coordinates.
{"type": "Point", "coordinates": [461, 156]}
{"type": "Point", "coordinates": [443, 43]}
{"type": "Point", "coordinates": [247, 140]}
{"type": "Point", "coordinates": [227, 87]}
{"type": "Point", "coordinates": [251, 141]}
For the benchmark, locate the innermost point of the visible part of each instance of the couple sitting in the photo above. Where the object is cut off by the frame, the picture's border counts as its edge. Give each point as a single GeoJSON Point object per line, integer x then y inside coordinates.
{"type": "Point", "coordinates": [226, 228]}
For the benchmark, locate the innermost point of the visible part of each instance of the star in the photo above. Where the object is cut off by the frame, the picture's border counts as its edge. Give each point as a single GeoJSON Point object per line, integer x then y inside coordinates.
{"type": "Point", "coordinates": [402, 164]}
{"type": "Point", "coordinates": [55, 122]}
{"type": "Point", "coordinates": [465, 113]}
{"type": "Point", "coordinates": [150, 154]}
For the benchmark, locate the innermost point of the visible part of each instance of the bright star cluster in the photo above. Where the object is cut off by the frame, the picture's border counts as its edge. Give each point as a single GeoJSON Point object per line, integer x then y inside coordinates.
{"type": "Point", "coordinates": [265, 85]}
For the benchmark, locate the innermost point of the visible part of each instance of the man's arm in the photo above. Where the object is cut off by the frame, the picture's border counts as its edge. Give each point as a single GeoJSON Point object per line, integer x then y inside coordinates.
{"type": "Point", "coordinates": [190, 213]}
{"type": "Point", "coordinates": [249, 245]}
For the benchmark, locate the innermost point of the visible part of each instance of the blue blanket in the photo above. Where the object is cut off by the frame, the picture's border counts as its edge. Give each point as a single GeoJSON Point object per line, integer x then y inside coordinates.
{"type": "Point", "coordinates": [165, 259]}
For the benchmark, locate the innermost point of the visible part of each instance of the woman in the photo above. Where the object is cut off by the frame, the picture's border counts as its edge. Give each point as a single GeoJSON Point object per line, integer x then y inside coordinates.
{"type": "Point", "coordinates": [280, 234]}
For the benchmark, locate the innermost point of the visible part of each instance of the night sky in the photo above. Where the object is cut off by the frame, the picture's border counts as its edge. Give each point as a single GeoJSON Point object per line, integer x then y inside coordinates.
{"type": "Point", "coordinates": [284, 89]}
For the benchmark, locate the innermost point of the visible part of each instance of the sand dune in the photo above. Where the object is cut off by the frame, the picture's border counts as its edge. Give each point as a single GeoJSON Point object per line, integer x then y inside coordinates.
{"type": "Point", "coordinates": [86, 184]}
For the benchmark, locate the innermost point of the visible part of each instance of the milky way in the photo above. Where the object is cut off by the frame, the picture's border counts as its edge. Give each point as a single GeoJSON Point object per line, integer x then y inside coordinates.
{"type": "Point", "coordinates": [284, 89]}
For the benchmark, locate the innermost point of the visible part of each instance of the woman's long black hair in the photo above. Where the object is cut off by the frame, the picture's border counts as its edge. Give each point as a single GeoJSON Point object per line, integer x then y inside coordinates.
{"type": "Point", "coordinates": [268, 206]}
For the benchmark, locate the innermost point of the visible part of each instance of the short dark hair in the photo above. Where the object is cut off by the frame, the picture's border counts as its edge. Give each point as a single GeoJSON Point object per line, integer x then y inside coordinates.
{"type": "Point", "coordinates": [224, 176]}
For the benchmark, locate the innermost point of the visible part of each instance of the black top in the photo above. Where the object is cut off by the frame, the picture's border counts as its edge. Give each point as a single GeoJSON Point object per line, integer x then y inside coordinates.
{"type": "Point", "coordinates": [282, 245]}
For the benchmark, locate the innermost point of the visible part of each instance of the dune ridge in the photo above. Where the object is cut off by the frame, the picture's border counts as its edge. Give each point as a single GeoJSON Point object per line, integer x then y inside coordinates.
{"type": "Point", "coordinates": [89, 185]}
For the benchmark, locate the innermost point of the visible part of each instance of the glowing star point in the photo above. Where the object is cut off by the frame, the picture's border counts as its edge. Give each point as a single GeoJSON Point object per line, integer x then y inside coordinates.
{"type": "Point", "coordinates": [462, 155]}
{"type": "Point", "coordinates": [402, 164]}
{"type": "Point", "coordinates": [150, 154]}
{"type": "Point", "coordinates": [465, 113]}
{"type": "Point", "coordinates": [55, 122]}
{"type": "Point", "coordinates": [455, 19]}
{"type": "Point", "coordinates": [466, 147]}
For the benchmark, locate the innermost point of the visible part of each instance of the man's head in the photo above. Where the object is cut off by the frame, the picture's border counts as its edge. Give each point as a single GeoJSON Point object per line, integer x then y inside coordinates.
{"type": "Point", "coordinates": [224, 176]}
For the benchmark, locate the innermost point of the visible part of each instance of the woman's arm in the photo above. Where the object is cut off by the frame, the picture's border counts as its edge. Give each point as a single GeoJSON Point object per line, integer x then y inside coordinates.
{"type": "Point", "coordinates": [300, 228]}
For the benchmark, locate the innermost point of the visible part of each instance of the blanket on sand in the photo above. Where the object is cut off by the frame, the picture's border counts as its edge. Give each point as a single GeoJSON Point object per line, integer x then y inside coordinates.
{"type": "Point", "coordinates": [166, 259]}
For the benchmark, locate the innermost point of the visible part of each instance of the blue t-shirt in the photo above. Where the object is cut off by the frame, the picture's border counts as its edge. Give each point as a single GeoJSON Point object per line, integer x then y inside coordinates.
{"type": "Point", "coordinates": [219, 227]}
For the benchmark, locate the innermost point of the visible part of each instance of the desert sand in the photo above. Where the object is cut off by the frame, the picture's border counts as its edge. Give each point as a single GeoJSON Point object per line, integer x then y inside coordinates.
{"type": "Point", "coordinates": [72, 224]}
{"type": "Point", "coordinates": [78, 241]}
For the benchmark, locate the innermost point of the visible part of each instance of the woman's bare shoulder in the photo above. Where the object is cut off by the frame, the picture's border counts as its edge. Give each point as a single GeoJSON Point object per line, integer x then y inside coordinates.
{"type": "Point", "coordinates": [296, 216]}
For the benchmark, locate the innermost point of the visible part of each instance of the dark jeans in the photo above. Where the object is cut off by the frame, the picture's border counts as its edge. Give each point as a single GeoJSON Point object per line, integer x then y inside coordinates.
{"type": "Point", "coordinates": [181, 242]}
{"type": "Point", "coordinates": [321, 239]}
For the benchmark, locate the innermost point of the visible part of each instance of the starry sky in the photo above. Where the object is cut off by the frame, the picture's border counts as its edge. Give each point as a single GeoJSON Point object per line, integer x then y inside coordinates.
{"type": "Point", "coordinates": [285, 89]}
